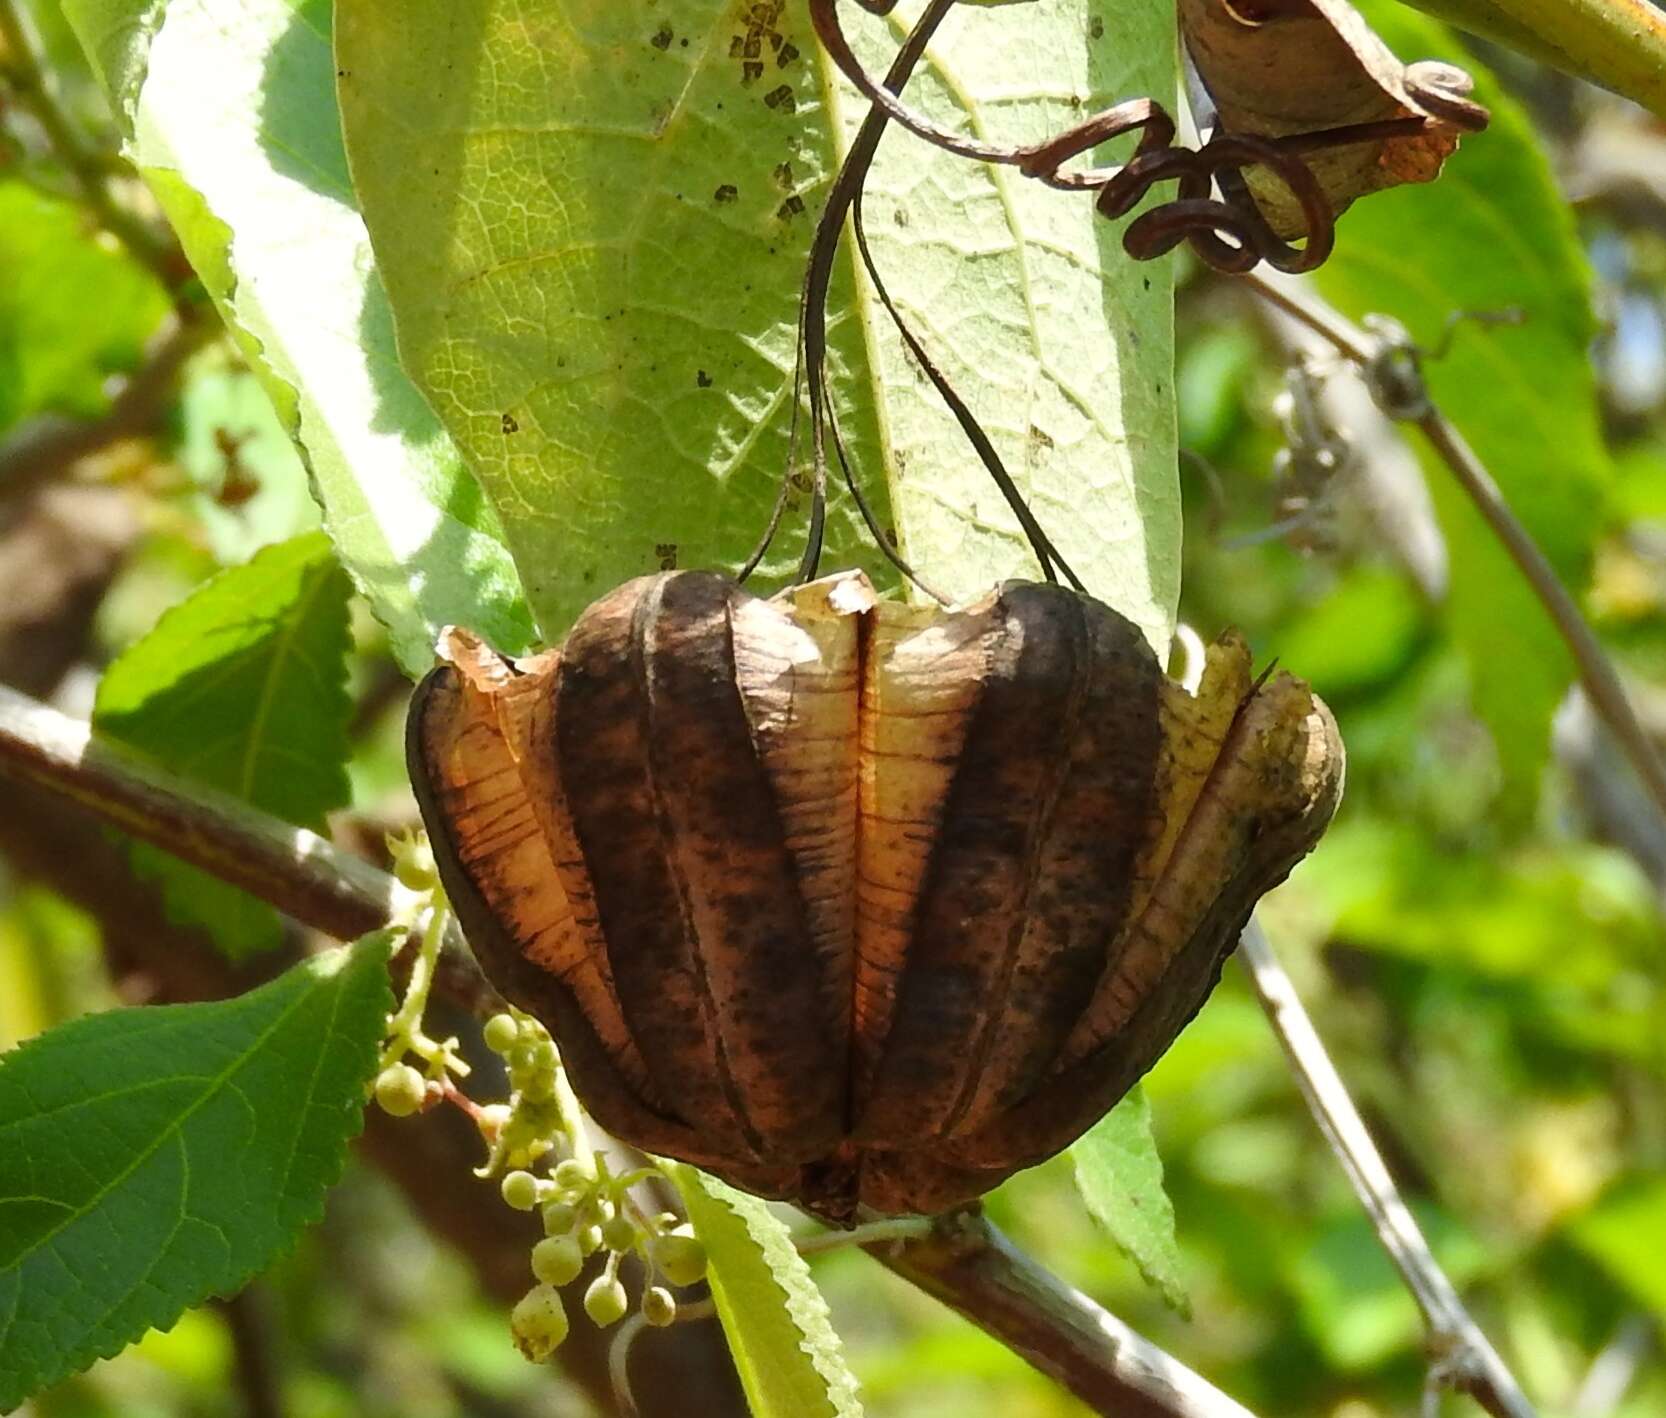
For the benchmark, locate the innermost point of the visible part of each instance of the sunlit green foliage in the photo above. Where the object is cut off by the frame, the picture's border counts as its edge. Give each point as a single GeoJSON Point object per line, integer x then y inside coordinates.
{"type": "Point", "coordinates": [1480, 937]}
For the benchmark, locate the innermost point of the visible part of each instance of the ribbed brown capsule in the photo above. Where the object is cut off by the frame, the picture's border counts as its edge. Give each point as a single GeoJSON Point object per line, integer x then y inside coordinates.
{"type": "Point", "coordinates": [860, 904]}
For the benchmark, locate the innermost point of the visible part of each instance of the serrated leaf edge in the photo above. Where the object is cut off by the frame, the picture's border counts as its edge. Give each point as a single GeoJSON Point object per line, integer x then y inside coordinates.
{"type": "Point", "coordinates": [324, 967]}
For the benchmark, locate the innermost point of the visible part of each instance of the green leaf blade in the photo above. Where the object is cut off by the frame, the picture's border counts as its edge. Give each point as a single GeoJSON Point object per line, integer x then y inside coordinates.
{"type": "Point", "coordinates": [71, 311]}
{"type": "Point", "coordinates": [1120, 1177]}
{"type": "Point", "coordinates": [231, 111]}
{"type": "Point", "coordinates": [150, 1158]}
{"type": "Point", "coordinates": [593, 224]}
{"type": "Point", "coordinates": [242, 687]}
{"type": "Point", "coordinates": [1625, 1233]}
{"type": "Point", "coordinates": [1493, 235]}
{"type": "Point", "coordinates": [790, 1361]}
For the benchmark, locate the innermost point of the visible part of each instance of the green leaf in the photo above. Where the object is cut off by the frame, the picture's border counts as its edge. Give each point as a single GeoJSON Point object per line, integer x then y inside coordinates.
{"type": "Point", "coordinates": [150, 1158]}
{"type": "Point", "coordinates": [242, 687]}
{"type": "Point", "coordinates": [72, 312]}
{"type": "Point", "coordinates": [232, 115]}
{"type": "Point", "coordinates": [789, 1359]}
{"type": "Point", "coordinates": [1350, 1298]}
{"type": "Point", "coordinates": [1492, 234]}
{"type": "Point", "coordinates": [592, 220]}
{"type": "Point", "coordinates": [1625, 1233]}
{"type": "Point", "coordinates": [252, 484]}
{"type": "Point", "coordinates": [1120, 1177]}
{"type": "Point", "coordinates": [1619, 43]}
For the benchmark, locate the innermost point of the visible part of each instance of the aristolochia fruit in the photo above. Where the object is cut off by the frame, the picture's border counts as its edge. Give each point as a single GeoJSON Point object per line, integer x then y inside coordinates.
{"type": "Point", "coordinates": [852, 902]}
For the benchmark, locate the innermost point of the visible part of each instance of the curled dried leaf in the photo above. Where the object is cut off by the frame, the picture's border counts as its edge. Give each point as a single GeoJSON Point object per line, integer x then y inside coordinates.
{"type": "Point", "coordinates": [1292, 69]}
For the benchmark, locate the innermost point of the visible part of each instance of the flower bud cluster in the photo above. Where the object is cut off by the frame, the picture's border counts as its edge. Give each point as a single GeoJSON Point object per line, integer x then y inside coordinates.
{"type": "Point", "coordinates": [586, 1211]}
{"type": "Point", "coordinates": [532, 1124]}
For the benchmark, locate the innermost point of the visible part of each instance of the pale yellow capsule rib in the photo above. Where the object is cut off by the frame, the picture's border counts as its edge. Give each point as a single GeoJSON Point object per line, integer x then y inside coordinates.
{"type": "Point", "coordinates": [797, 660]}
{"type": "Point", "coordinates": [518, 852]}
{"type": "Point", "coordinates": [1270, 768]}
{"type": "Point", "coordinates": [923, 672]}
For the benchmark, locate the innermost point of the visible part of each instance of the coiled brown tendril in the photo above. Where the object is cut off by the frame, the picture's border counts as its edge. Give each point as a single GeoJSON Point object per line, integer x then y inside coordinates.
{"type": "Point", "coordinates": [844, 199]}
{"type": "Point", "coordinates": [1228, 232]}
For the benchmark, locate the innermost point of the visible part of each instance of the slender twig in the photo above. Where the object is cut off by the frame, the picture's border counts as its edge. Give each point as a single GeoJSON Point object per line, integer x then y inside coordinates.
{"type": "Point", "coordinates": [44, 447]}
{"type": "Point", "coordinates": [1596, 670]}
{"type": "Point", "coordinates": [889, 1230]}
{"type": "Point", "coordinates": [1462, 1357]}
{"type": "Point", "coordinates": [965, 1263]}
{"type": "Point", "coordinates": [21, 71]}
{"type": "Point", "coordinates": [975, 1270]}
{"type": "Point", "coordinates": [1615, 1368]}
{"type": "Point", "coordinates": [249, 1320]}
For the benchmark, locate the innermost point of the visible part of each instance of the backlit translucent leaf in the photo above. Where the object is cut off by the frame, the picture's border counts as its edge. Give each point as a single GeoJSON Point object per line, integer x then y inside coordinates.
{"type": "Point", "coordinates": [1120, 1177]}
{"type": "Point", "coordinates": [1625, 1233]}
{"type": "Point", "coordinates": [231, 111]}
{"type": "Point", "coordinates": [592, 220]}
{"type": "Point", "coordinates": [789, 1359]}
{"type": "Point", "coordinates": [72, 311]}
{"type": "Point", "coordinates": [152, 1157]}
{"type": "Point", "coordinates": [242, 687]}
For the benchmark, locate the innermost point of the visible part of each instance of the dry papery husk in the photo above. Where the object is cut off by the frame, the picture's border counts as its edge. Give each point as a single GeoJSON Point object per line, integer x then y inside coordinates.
{"type": "Point", "coordinates": [1279, 68]}
{"type": "Point", "coordinates": [860, 904]}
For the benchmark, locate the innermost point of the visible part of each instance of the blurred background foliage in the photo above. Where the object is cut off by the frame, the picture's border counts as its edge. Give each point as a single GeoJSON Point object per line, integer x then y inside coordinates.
{"type": "Point", "coordinates": [1480, 937]}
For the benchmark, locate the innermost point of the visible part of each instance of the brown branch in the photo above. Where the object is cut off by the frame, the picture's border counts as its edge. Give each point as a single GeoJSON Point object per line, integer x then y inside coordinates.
{"type": "Point", "coordinates": [249, 1319]}
{"type": "Point", "coordinates": [299, 872]}
{"type": "Point", "coordinates": [977, 1272]}
{"type": "Point", "coordinates": [1463, 1358]}
{"type": "Point", "coordinates": [968, 1266]}
{"type": "Point", "coordinates": [1408, 400]}
{"type": "Point", "coordinates": [45, 446]}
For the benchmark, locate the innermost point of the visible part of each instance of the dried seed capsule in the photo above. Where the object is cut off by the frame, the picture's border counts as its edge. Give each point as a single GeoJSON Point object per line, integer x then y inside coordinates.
{"type": "Point", "coordinates": [859, 903]}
